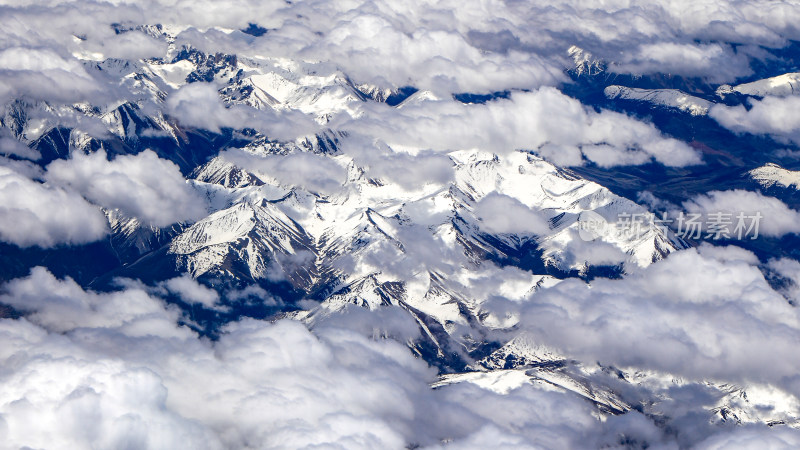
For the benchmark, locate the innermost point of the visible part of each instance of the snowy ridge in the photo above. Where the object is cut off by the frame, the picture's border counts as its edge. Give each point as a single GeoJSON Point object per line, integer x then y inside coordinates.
{"type": "Point", "coordinates": [612, 391]}
{"type": "Point", "coordinates": [670, 98]}
{"type": "Point", "coordinates": [131, 238]}
{"type": "Point", "coordinates": [221, 172]}
{"type": "Point", "coordinates": [280, 85]}
{"type": "Point", "coordinates": [367, 244]}
{"type": "Point", "coordinates": [779, 86]}
{"type": "Point", "coordinates": [254, 240]}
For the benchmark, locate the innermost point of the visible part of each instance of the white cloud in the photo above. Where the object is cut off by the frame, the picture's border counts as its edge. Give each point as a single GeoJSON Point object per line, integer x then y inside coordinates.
{"type": "Point", "coordinates": [716, 62]}
{"type": "Point", "coordinates": [35, 214]}
{"type": "Point", "coordinates": [773, 116]}
{"type": "Point", "coordinates": [199, 105]}
{"type": "Point", "coordinates": [253, 293]}
{"type": "Point", "coordinates": [25, 168]}
{"type": "Point", "coordinates": [699, 314]}
{"type": "Point", "coordinates": [439, 60]}
{"type": "Point", "coordinates": [130, 45]}
{"type": "Point", "coordinates": [11, 146]}
{"type": "Point", "coordinates": [776, 220]}
{"type": "Point", "coordinates": [87, 369]}
{"type": "Point", "coordinates": [576, 251]}
{"type": "Point", "coordinates": [754, 438]}
{"type": "Point", "coordinates": [62, 305]}
{"type": "Point", "coordinates": [500, 213]}
{"type": "Point", "coordinates": [449, 46]}
{"type": "Point", "coordinates": [545, 119]}
{"type": "Point", "coordinates": [142, 186]}
{"type": "Point", "coordinates": [192, 292]}
{"type": "Point", "coordinates": [410, 171]}
{"type": "Point", "coordinates": [43, 74]}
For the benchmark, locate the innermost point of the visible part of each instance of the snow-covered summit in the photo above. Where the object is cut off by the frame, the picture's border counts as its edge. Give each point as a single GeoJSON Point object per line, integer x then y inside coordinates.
{"type": "Point", "coordinates": [779, 86]}
{"type": "Point", "coordinates": [771, 175]}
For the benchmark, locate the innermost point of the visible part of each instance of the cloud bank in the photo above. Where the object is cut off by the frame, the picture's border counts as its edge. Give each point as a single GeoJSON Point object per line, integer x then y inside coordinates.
{"type": "Point", "coordinates": [87, 369]}
{"type": "Point", "coordinates": [36, 214]}
{"type": "Point", "coordinates": [704, 313]}
{"type": "Point", "coordinates": [142, 186]}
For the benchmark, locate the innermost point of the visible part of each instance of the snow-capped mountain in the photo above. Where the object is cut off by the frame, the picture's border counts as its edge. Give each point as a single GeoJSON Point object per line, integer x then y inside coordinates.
{"type": "Point", "coordinates": [330, 247]}
{"type": "Point", "coordinates": [771, 175]}
{"type": "Point", "coordinates": [584, 62]}
{"type": "Point", "coordinates": [341, 232]}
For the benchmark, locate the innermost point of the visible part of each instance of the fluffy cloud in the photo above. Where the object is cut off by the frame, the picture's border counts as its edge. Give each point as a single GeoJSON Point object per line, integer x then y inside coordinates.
{"type": "Point", "coordinates": [142, 186]}
{"type": "Point", "coordinates": [32, 214]}
{"type": "Point", "coordinates": [192, 292]}
{"type": "Point", "coordinates": [558, 127]}
{"type": "Point", "coordinates": [253, 293]}
{"type": "Point", "coordinates": [449, 46]}
{"type": "Point", "coordinates": [13, 147]}
{"type": "Point", "coordinates": [25, 168]}
{"type": "Point", "coordinates": [43, 74]}
{"type": "Point", "coordinates": [498, 45]}
{"type": "Point", "coordinates": [503, 214]}
{"type": "Point", "coordinates": [577, 250]}
{"type": "Point", "coordinates": [198, 105]}
{"type": "Point", "coordinates": [772, 116]}
{"type": "Point", "coordinates": [62, 305]}
{"type": "Point", "coordinates": [97, 369]}
{"type": "Point", "coordinates": [87, 369]}
{"type": "Point", "coordinates": [753, 438]}
{"type": "Point", "coordinates": [777, 219]}
{"type": "Point", "coordinates": [703, 313]}
{"type": "Point", "coordinates": [129, 45]}
{"type": "Point", "coordinates": [716, 62]}
{"type": "Point", "coordinates": [410, 171]}
{"type": "Point", "coordinates": [439, 60]}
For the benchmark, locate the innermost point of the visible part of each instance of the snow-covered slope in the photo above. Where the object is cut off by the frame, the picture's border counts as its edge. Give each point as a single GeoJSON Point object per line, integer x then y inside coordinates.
{"type": "Point", "coordinates": [221, 172]}
{"type": "Point", "coordinates": [771, 175]}
{"type": "Point", "coordinates": [670, 98]}
{"type": "Point", "coordinates": [267, 86]}
{"type": "Point", "coordinates": [131, 238]}
{"type": "Point", "coordinates": [779, 86]}
{"type": "Point", "coordinates": [254, 240]}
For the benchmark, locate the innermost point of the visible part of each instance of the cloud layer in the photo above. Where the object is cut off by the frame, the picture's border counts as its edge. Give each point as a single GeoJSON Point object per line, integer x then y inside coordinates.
{"type": "Point", "coordinates": [702, 314]}
{"type": "Point", "coordinates": [89, 369]}
{"type": "Point", "coordinates": [554, 125]}
{"type": "Point", "coordinates": [142, 186]}
{"type": "Point", "coordinates": [123, 368]}
{"type": "Point", "coordinates": [35, 214]}
{"type": "Point", "coordinates": [772, 116]}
